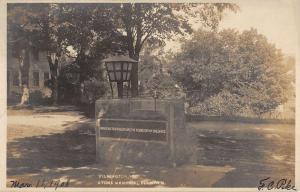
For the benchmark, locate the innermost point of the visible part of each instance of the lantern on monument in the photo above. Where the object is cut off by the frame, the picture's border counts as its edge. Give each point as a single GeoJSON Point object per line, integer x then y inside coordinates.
{"type": "Point", "coordinates": [119, 69]}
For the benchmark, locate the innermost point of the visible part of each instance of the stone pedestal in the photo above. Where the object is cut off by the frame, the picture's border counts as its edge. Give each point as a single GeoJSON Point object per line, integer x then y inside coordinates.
{"type": "Point", "coordinates": [141, 131]}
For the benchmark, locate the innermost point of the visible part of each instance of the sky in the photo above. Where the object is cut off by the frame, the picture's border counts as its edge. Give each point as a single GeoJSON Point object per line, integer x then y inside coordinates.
{"type": "Point", "coordinates": [276, 19]}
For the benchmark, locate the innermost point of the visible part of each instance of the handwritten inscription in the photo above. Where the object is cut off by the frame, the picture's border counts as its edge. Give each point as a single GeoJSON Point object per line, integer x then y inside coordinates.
{"type": "Point", "coordinates": [269, 184]}
{"type": "Point", "coordinates": [18, 184]}
{"type": "Point", "coordinates": [41, 183]}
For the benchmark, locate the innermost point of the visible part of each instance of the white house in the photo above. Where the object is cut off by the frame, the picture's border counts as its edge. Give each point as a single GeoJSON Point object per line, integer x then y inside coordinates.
{"type": "Point", "coordinates": [39, 71]}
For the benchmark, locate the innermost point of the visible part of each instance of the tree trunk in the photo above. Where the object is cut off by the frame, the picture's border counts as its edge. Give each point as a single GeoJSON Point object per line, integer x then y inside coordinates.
{"type": "Point", "coordinates": [24, 65]}
{"type": "Point", "coordinates": [134, 76]}
{"type": "Point", "coordinates": [53, 71]}
{"type": "Point", "coordinates": [55, 91]}
{"type": "Point", "coordinates": [128, 12]}
{"type": "Point", "coordinates": [81, 61]}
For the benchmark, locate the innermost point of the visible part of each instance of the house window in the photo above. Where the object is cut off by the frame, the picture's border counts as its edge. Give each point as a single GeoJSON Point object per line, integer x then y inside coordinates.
{"type": "Point", "coordinates": [14, 53]}
{"type": "Point", "coordinates": [16, 81]}
{"type": "Point", "coordinates": [46, 76]}
{"type": "Point", "coordinates": [36, 79]}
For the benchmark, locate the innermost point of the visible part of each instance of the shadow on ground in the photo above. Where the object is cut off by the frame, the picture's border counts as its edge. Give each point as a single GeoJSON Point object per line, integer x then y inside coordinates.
{"type": "Point", "coordinates": [75, 147]}
{"type": "Point", "coordinates": [251, 151]}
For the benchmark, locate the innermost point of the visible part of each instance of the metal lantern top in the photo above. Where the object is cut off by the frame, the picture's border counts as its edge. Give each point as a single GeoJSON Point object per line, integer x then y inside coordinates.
{"type": "Point", "coordinates": [120, 58]}
{"type": "Point", "coordinates": [119, 68]}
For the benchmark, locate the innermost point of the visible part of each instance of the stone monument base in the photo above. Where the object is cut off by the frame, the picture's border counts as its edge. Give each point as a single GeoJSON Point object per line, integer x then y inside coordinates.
{"type": "Point", "coordinates": [141, 131]}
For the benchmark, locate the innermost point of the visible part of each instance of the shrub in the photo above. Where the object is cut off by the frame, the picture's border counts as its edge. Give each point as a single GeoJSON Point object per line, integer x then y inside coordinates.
{"type": "Point", "coordinates": [163, 86]}
{"type": "Point", "coordinates": [222, 104]}
{"type": "Point", "coordinates": [93, 89]}
{"type": "Point", "coordinates": [13, 98]}
{"type": "Point", "coordinates": [40, 97]}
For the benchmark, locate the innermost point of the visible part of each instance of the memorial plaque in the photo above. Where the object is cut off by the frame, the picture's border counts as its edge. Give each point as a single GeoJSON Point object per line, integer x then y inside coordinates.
{"type": "Point", "coordinates": [133, 129]}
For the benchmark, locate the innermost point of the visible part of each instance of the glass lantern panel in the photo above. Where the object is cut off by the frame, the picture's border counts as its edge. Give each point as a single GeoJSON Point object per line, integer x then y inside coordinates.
{"type": "Point", "coordinates": [117, 66]}
{"type": "Point", "coordinates": [124, 75]}
{"type": "Point", "coordinates": [128, 75]}
{"type": "Point", "coordinates": [118, 76]}
{"type": "Point", "coordinates": [125, 66]}
{"type": "Point", "coordinates": [112, 76]}
{"type": "Point", "coordinates": [109, 66]}
{"type": "Point", "coordinates": [129, 66]}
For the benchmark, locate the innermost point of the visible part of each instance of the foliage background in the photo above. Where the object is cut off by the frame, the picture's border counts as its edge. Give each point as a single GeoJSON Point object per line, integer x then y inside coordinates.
{"type": "Point", "coordinates": [220, 73]}
{"type": "Point", "coordinates": [233, 73]}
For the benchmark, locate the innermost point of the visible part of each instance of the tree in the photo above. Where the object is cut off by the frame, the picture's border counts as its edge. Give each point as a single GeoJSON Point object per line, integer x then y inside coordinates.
{"type": "Point", "coordinates": [244, 64]}
{"type": "Point", "coordinates": [49, 38]}
{"type": "Point", "coordinates": [35, 27]}
{"type": "Point", "coordinates": [156, 22]}
{"type": "Point", "coordinates": [19, 40]}
{"type": "Point", "coordinates": [90, 33]}
{"type": "Point", "coordinates": [54, 28]}
{"type": "Point", "coordinates": [92, 36]}
{"type": "Point", "coordinates": [151, 62]}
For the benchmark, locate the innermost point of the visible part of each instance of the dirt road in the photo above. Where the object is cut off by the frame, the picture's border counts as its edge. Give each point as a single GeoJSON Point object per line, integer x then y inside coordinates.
{"type": "Point", "coordinates": [58, 144]}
